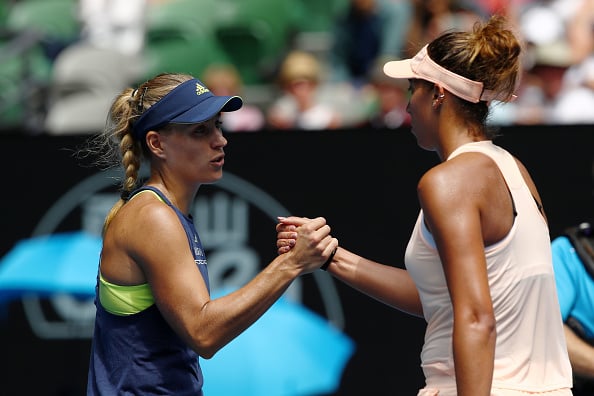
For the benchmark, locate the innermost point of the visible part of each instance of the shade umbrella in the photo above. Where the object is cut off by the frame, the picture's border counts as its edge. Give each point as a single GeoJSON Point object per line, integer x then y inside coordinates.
{"type": "Point", "coordinates": [289, 351]}
{"type": "Point", "coordinates": [51, 264]}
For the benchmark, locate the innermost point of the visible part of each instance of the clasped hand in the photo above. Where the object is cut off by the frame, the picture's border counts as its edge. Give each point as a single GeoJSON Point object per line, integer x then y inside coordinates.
{"type": "Point", "coordinates": [309, 239]}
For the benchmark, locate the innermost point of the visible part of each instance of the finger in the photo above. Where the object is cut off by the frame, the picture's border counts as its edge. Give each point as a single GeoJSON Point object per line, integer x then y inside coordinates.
{"type": "Point", "coordinates": [331, 246]}
{"type": "Point", "coordinates": [320, 233]}
{"type": "Point", "coordinates": [280, 227]}
{"type": "Point", "coordinates": [317, 224]}
{"type": "Point", "coordinates": [286, 235]}
{"type": "Point", "coordinates": [285, 243]}
{"type": "Point", "coordinates": [298, 221]}
{"type": "Point", "coordinates": [327, 244]}
{"type": "Point", "coordinates": [283, 250]}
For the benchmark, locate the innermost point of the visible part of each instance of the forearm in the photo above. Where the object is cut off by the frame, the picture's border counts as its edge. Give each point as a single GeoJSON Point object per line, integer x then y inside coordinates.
{"type": "Point", "coordinates": [581, 354]}
{"type": "Point", "coordinates": [389, 285]}
{"type": "Point", "coordinates": [224, 318]}
{"type": "Point", "coordinates": [474, 354]}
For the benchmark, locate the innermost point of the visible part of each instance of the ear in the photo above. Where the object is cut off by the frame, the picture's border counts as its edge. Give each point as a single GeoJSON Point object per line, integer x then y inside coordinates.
{"type": "Point", "coordinates": [155, 143]}
{"type": "Point", "coordinates": [438, 92]}
{"type": "Point", "coordinates": [438, 95]}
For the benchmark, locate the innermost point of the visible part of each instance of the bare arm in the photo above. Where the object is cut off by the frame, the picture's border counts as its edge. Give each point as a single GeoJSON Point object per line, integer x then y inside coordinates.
{"type": "Point", "coordinates": [180, 292]}
{"type": "Point", "coordinates": [452, 212]}
{"type": "Point", "coordinates": [390, 285]}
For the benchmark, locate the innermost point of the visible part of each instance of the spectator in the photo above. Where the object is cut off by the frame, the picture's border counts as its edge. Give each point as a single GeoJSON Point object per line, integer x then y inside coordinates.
{"type": "Point", "coordinates": [224, 80]}
{"type": "Point", "coordinates": [389, 100]}
{"type": "Point", "coordinates": [576, 98]}
{"type": "Point", "coordinates": [558, 86]}
{"type": "Point", "coordinates": [369, 29]}
{"type": "Point", "coordinates": [540, 88]}
{"type": "Point", "coordinates": [575, 287]}
{"type": "Point", "coordinates": [580, 32]}
{"type": "Point", "coordinates": [89, 73]}
{"type": "Point", "coordinates": [558, 82]}
{"type": "Point", "coordinates": [304, 103]}
{"type": "Point", "coordinates": [433, 17]}
{"type": "Point", "coordinates": [112, 24]}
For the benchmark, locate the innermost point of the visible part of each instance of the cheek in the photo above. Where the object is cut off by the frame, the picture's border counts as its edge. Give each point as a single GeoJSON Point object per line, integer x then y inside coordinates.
{"type": "Point", "coordinates": [188, 151]}
{"type": "Point", "coordinates": [420, 102]}
{"type": "Point", "coordinates": [413, 104]}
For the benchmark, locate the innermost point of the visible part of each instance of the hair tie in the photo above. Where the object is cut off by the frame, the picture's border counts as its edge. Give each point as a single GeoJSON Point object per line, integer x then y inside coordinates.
{"type": "Point", "coordinates": [141, 101]}
{"type": "Point", "coordinates": [132, 97]}
{"type": "Point", "coordinates": [125, 195]}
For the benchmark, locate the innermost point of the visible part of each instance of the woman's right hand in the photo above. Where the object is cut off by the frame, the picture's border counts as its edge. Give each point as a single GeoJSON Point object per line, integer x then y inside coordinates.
{"type": "Point", "coordinates": [308, 239]}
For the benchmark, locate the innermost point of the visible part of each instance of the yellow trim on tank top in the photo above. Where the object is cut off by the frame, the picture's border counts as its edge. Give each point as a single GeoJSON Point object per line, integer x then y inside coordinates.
{"type": "Point", "coordinates": [126, 300]}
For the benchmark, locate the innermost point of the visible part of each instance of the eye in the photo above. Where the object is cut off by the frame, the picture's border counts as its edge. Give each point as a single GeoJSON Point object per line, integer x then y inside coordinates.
{"type": "Point", "coordinates": [200, 129]}
{"type": "Point", "coordinates": [219, 124]}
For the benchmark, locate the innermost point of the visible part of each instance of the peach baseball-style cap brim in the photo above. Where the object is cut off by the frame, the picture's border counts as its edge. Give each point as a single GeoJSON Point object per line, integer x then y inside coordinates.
{"type": "Point", "coordinates": [421, 66]}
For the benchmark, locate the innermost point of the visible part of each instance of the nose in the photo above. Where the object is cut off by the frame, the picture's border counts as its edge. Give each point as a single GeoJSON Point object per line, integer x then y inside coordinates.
{"type": "Point", "coordinates": [220, 140]}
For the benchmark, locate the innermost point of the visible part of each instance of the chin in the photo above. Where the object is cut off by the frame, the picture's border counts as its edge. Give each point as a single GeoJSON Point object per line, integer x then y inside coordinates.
{"type": "Point", "coordinates": [215, 178]}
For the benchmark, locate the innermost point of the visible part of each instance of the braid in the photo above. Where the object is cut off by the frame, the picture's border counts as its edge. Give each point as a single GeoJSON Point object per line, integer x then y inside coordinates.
{"type": "Point", "coordinates": [131, 160]}
{"type": "Point", "coordinates": [124, 111]}
{"type": "Point", "coordinates": [117, 146]}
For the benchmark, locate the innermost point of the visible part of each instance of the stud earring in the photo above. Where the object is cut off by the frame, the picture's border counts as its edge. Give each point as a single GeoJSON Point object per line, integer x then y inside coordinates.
{"type": "Point", "coordinates": [437, 101]}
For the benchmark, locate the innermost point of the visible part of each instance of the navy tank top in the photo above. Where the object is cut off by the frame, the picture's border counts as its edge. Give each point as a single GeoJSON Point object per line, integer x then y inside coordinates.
{"type": "Point", "coordinates": [140, 354]}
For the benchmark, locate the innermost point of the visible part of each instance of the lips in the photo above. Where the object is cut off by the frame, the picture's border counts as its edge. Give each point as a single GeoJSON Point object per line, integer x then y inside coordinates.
{"type": "Point", "coordinates": [219, 161]}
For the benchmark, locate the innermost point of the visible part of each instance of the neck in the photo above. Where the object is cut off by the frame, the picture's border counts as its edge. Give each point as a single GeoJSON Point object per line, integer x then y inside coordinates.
{"type": "Point", "coordinates": [181, 198]}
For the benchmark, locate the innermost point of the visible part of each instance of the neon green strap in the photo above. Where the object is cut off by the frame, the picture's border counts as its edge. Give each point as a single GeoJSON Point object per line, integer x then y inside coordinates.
{"type": "Point", "coordinates": [124, 300]}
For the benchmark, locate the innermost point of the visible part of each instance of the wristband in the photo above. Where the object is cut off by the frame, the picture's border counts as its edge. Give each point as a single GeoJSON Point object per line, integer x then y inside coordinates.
{"type": "Point", "coordinates": [324, 266]}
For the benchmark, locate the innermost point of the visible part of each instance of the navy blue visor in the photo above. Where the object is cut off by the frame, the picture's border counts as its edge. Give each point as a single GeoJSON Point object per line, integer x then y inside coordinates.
{"type": "Point", "coordinates": [191, 102]}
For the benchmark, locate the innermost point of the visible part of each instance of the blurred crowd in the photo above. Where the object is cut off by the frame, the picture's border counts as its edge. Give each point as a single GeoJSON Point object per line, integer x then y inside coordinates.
{"type": "Point", "coordinates": [319, 68]}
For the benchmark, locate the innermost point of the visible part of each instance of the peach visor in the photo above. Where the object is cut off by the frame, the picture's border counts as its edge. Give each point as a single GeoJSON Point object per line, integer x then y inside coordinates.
{"type": "Point", "coordinates": [421, 66]}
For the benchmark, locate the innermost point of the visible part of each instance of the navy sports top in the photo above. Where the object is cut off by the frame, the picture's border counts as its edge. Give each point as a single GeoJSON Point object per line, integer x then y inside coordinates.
{"type": "Point", "coordinates": [140, 354]}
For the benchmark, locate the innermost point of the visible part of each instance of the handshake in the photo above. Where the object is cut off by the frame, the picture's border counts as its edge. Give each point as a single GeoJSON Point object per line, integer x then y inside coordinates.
{"type": "Point", "coordinates": [308, 240]}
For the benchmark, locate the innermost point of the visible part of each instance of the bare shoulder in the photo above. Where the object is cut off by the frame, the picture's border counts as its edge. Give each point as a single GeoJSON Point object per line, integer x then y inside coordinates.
{"type": "Point", "coordinates": [463, 174]}
{"type": "Point", "coordinates": [467, 192]}
{"type": "Point", "coordinates": [145, 222]}
{"type": "Point", "coordinates": [145, 211]}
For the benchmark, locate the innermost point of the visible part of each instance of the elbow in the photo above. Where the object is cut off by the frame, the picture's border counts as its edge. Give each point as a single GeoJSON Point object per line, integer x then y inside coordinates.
{"type": "Point", "coordinates": [204, 335]}
{"type": "Point", "coordinates": [206, 346]}
{"type": "Point", "coordinates": [206, 351]}
{"type": "Point", "coordinates": [482, 324]}
{"type": "Point", "coordinates": [485, 324]}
